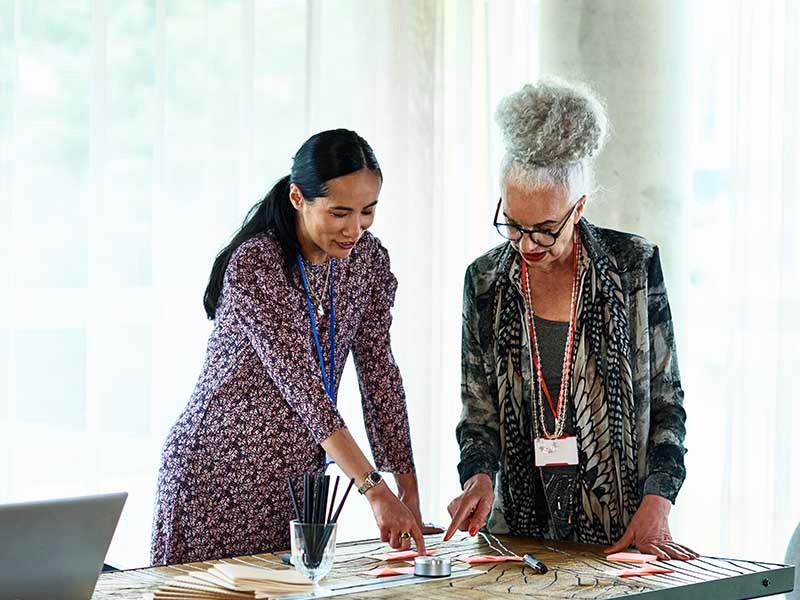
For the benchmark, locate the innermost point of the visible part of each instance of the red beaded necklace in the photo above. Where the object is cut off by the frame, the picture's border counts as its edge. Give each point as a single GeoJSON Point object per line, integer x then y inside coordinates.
{"type": "Point", "coordinates": [558, 411]}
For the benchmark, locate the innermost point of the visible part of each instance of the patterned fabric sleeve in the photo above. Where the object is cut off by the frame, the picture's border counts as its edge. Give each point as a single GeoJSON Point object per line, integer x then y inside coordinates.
{"type": "Point", "coordinates": [382, 394]}
{"type": "Point", "coordinates": [257, 292]}
{"type": "Point", "coordinates": [478, 430]}
{"type": "Point", "coordinates": [665, 468]}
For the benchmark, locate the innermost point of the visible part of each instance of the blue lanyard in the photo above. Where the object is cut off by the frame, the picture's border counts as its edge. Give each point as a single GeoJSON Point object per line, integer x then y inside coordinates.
{"type": "Point", "coordinates": [328, 382]}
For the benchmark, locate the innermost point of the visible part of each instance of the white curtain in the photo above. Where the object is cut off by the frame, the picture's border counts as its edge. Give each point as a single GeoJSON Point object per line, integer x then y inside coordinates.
{"type": "Point", "coordinates": [130, 133]}
{"type": "Point", "coordinates": [742, 495]}
{"type": "Point", "coordinates": [134, 136]}
{"type": "Point", "coordinates": [419, 80]}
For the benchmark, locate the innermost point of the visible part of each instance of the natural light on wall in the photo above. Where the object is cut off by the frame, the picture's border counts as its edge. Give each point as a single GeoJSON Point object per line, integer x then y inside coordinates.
{"type": "Point", "coordinates": [742, 493]}
{"type": "Point", "coordinates": [135, 134]}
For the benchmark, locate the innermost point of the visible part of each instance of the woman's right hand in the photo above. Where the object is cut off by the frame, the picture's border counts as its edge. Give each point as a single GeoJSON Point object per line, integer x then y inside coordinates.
{"type": "Point", "coordinates": [471, 509]}
{"type": "Point", "coordinates": [394, 519]}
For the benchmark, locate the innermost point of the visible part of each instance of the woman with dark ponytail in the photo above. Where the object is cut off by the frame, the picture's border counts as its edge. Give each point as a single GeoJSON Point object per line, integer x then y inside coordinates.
{"type": "Point", "coordinates": [299, 286]}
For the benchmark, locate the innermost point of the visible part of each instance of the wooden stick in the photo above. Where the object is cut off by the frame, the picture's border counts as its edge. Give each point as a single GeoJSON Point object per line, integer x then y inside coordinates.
{"type": "Point", "coordinates": [341, 504]}
{"type": "Point", "coordinates": [320, 538]}
{"type": "Point", "coordinates": [294, 498]}
{"type": "Point", "coordinates": [323, 505]}
{"type": "Point", "coordinates": [317, 498]}
{"type": "Point", "coordinates": [326, 532]}
{"type": "Point", "coordinates": [333, 499]}
{"type": "Point", "coordinates": [307, 491]}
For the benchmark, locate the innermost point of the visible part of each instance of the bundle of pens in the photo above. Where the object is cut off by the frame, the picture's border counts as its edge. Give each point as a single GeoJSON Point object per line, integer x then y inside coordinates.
{"type": "Point", "coordinates": [318, 517]}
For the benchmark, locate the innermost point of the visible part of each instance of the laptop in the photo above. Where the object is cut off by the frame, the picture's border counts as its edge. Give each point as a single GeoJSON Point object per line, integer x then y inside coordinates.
{"type": "Point", "coordinates": [54, 549]}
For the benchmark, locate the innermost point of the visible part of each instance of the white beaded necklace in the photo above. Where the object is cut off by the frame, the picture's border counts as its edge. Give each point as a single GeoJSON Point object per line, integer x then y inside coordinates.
{"type": "Point", "coordinates": [560, 412]}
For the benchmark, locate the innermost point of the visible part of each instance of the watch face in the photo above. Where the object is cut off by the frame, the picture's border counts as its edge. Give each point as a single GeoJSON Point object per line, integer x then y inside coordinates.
{"type": "Point", "coordinates": [375, 477]}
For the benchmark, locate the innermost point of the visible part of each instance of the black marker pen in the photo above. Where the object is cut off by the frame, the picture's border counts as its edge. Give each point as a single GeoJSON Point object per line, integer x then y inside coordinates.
{"type": "Point", "coordinates": [535, 564]}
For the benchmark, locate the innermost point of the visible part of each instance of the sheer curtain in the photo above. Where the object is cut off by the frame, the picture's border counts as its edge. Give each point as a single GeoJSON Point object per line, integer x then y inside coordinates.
{"type": "Point", "coordinates": [743, 489]}
{"type": "Point", "coordinates": [130, 133]}
{"type": "Point", "coordinates": [135, 135]}
{"type": "Point", "coordinates": [421, 82]}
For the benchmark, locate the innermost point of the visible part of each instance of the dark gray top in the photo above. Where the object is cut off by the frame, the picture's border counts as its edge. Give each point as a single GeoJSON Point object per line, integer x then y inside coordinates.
{"type": "Point", "coordinates": [558, 483]}
{"type": "Point", "coordinates": [552, 341]}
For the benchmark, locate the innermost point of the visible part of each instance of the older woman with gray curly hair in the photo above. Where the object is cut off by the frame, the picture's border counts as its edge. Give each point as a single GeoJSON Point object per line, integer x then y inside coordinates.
{"type": "Point", "coordinates": [573, 422]}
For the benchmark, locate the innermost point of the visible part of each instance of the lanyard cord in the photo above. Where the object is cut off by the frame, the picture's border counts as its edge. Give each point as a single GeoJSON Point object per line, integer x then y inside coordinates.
{"type": "Point", "coordinates": [328, 381]}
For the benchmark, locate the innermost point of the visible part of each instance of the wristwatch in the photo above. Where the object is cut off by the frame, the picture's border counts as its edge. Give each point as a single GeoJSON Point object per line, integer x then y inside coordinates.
{"type": "Point", "coordinates": [372, 479]}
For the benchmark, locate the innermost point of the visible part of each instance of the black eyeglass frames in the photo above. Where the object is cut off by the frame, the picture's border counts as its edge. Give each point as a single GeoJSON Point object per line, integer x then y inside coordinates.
{"type": "Point", "coordinates": [541, 237]}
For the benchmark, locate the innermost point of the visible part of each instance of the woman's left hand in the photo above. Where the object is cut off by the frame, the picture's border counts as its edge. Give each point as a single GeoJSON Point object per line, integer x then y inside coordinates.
{"type": "Point", "coordinates": [649, 532]}
{"type": "Point", "coordinates": [409, 495]}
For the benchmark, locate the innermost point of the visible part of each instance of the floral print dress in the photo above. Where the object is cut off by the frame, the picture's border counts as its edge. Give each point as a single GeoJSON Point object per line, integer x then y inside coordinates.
{"type": "Point", "coordinates": [259, 410]}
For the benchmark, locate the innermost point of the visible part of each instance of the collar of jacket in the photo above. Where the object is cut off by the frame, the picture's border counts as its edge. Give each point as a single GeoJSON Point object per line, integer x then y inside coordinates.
{"type": "Point", "coordinates": [509, 260]}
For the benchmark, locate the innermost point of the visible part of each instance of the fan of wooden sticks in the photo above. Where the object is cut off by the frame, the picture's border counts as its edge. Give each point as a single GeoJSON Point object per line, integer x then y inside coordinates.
{"type": "Point", "coordinates": [230, 581]}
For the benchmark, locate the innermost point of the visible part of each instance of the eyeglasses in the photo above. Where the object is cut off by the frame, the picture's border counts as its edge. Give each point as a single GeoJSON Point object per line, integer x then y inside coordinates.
{"type": "Point", "coordinates": [541, 237]}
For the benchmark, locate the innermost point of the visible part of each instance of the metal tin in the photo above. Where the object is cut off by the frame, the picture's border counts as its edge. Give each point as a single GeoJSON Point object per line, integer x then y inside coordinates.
{"type": "Point", "coordinates": [432, 566]}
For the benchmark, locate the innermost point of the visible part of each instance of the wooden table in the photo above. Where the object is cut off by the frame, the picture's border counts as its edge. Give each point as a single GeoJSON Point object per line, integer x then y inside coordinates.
{"type": "Point", "coordinates": [575, 571]}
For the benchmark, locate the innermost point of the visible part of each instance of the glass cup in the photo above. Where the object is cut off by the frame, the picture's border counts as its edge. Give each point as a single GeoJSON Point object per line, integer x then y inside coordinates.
{"type": "Point", "coordinates": [313, 548]}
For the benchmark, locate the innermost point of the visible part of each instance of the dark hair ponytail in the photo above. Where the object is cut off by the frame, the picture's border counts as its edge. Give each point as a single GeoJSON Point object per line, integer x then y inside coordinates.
{"type": "Point", "coordinates": [322, 157]}
{"type": "Point", "coordinates": [274, 211]}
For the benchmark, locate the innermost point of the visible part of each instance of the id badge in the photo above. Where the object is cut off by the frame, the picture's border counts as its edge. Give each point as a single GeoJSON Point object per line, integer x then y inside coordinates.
{"type": "Point", "coordinates": [560, 452]}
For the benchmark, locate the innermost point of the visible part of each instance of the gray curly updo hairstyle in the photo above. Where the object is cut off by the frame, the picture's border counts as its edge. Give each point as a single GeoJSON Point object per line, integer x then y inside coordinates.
{"type": "Point", "coordinates": [552, 129]}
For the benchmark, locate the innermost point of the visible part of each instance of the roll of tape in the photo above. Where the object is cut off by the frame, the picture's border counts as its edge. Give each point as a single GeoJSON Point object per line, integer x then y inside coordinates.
{"type": "Point", "coordinates": [432, 566]}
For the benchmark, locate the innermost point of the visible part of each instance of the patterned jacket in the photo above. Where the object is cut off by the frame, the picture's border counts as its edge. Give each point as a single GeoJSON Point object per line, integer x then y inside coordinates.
{"type": "Point", "coordinates": [657, 398]}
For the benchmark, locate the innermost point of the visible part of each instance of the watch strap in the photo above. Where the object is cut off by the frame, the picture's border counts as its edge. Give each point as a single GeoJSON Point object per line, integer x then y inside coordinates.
{"type": "Point", "coordinates": [370, 481]}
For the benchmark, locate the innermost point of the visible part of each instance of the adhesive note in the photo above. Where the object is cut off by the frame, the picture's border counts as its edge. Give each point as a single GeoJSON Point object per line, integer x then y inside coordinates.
{"type": "Point", "coordinates": [641, 571]}
{"type": "Point", "coordinates": [389, 571]}
{"type": "Point", "coordinates": [391, 556]}
{"type": "Point", "coordinates": [631, 557]}
{"type": "Point", "coordinates": [485, 559]}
